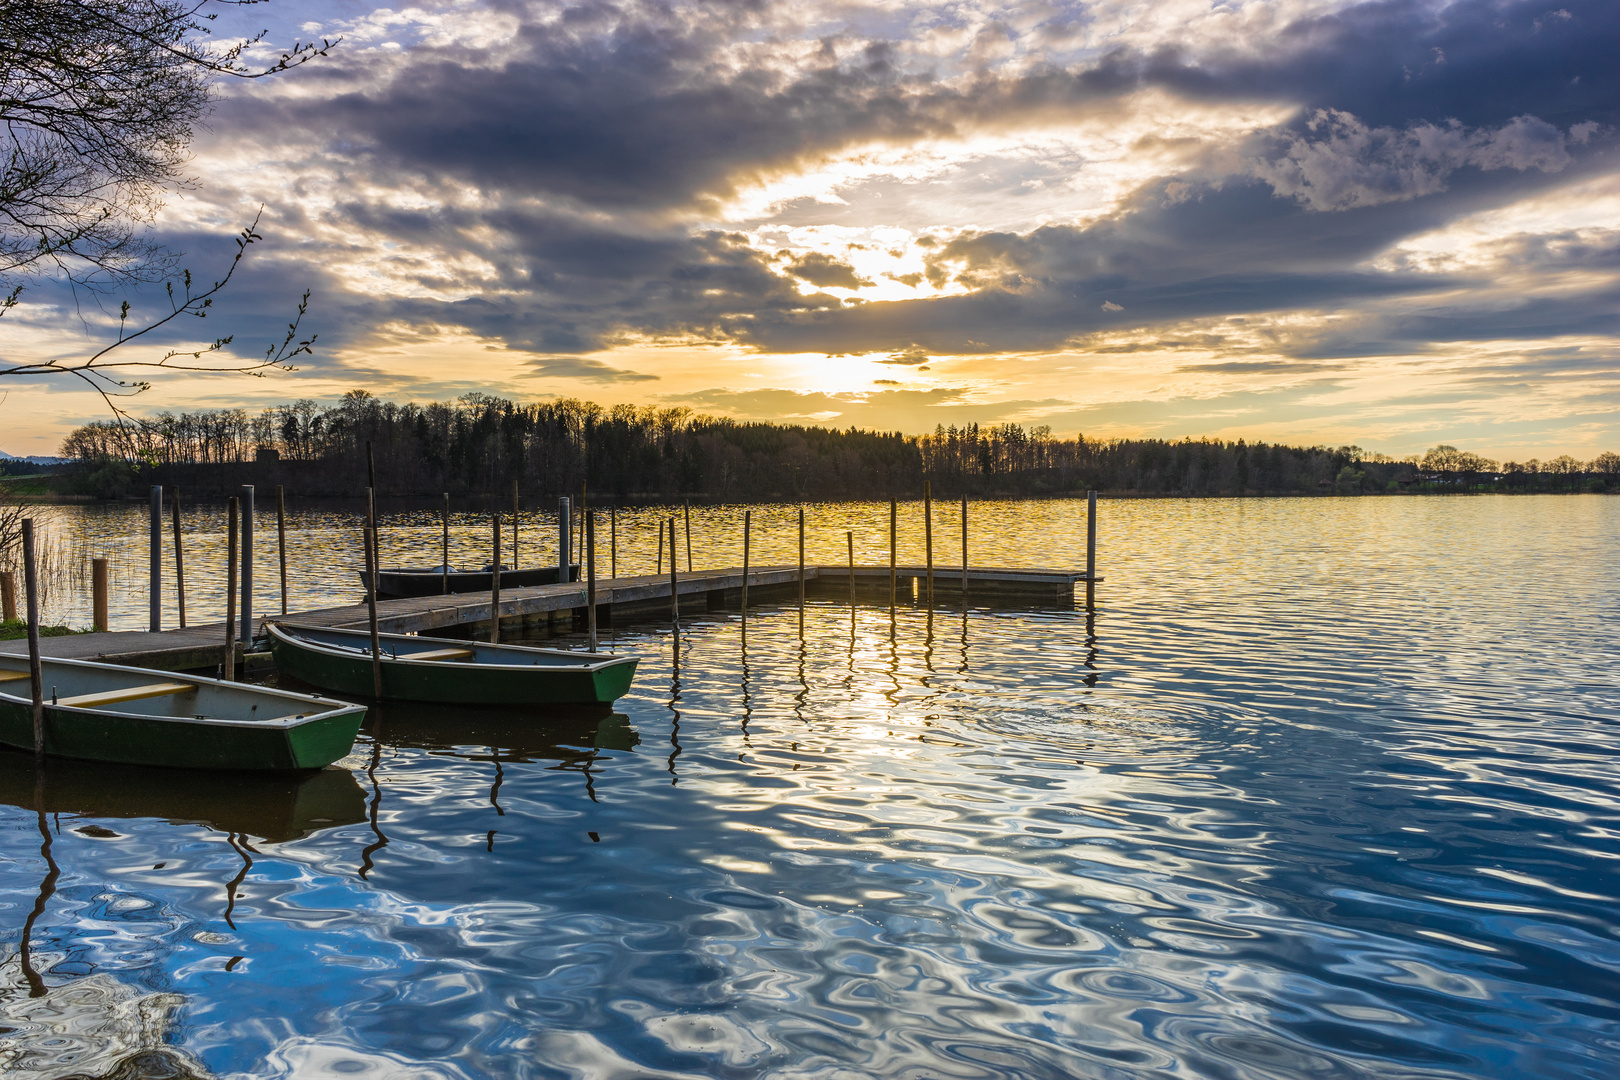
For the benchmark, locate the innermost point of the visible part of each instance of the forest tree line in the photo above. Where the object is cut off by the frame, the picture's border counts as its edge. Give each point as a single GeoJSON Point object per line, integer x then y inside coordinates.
{"type": "Point", "coordinates": [481, 445]}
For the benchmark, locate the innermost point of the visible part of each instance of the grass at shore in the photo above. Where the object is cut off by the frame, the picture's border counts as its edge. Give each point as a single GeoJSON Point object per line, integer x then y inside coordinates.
{"type": "Point", "coordinates": [12, 629]}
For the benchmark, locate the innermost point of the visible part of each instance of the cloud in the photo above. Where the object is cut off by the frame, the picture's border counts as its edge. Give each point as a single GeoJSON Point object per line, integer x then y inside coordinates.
{"type": "Point", "coordinates": [821, 269]}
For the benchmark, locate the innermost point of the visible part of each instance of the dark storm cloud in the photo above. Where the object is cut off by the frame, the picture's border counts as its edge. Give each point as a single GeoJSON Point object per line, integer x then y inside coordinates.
{"type": "Point", "coordinates": [592, 135]}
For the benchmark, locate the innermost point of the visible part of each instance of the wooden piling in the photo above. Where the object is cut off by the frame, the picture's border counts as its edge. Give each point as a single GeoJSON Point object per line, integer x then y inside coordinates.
{"type": "Point", "coordinates": [686, 508]}
{"type": "Point", "coordinates": [247, 565]}
{"type": "Point", "coordinates": [801, 571]}
{"type": "Point", "coordinates": [374, 556]}
{"type": "Point", "coordinates": [565, 537]}
{"type": "Point", "coordinates": [658, 567]}
{"type": "Point", "coordinates": [894, 533]}
{"type": "Point", "coordinates": [227, 667]}
{"type": "Point", "coordinates": [928, 536]}
{"type": "Point", "coordinates": [515, 524]}
{"type": "Point", "coordinates": [36, 675]}
{"type": "Point", "coordinates": [444, 550]}
{"type": "Point", "coordinates": [8, 596]}
{"type": "Point", "coordinates": [154, 602]}
{"type": "Point", "coordinates": [748, 521]}
{"type": "Point", "coordinates": [590, 579]}
{"type": "Point", "coordinates": [964, 549]}
{"type": "Point", "coordinates": [179, 558]}
{"type": "Point", "coordinates": [1091, 550]}
{"type": "Point", "coordinates": [613, 541]}
{"type": "Point", "coordinates": [674, 582]}
{"type": "Point", "coordinates": [98, 595]}
{"type": "Point", "coordinates": [495, 582]}
{"type": "Point", "coordinates": [281, 542]}
{"type": "Point", "coordinates": [849, 538]}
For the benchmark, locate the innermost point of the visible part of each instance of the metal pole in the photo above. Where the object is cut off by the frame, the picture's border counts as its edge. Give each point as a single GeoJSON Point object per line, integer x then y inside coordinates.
{"type": "Point", "coordinates": [928, 536]}
{"type": "Point", "coordinates": [748, 516]}
{"type": "Point", "coordinates": [893, 541]}
{"type": "Point", "coordinates": [375, 567]}
{"type": "Point", "coordinates": [514, 524]}
{"type": "Point", "coordinates": [281, 542]}
{"type": "Point", "coordinates": [964, 550]}
{"type": "Point", "coordinates": [565, 534]}
{"type": "Point", "coordinates": [227, 668]}
{"type": "Point", "coordinates": [98, 595]}
{"type": "Point", "coordinates": [1091, 550]}
{"type": "Point", "coordinates": [590, 579]}
{"type": "Point", "coordinates": [495, 583]}
{"type": "Point", "coordinates": [247, 564]}
{"type": "Point", "coordinates": [686, 508]}
{"type": "Point", "coordinates": [36, 675]}
{"type": "Point", "coordinates": [154, 603]}
{"type": "Point", "coordinates": [444, 560]}
{"type": "Point", "coordinates": [179, 557]}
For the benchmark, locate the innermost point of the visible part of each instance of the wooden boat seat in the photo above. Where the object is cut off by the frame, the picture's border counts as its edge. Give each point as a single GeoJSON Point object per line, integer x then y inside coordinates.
{"type": "Point", "coordinates": [438, 654]}
{"type": "Point", "coordinates": [128, 693]}
{"type": "Point", "coordinates": [12, 676]}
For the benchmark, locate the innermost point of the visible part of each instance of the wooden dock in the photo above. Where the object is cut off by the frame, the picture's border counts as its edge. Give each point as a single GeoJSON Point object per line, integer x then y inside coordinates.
{"type": "Point", "coordinates": [620, 601]}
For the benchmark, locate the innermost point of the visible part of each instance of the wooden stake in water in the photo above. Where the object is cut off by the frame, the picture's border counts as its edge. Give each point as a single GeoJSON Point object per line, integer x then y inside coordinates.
{"type": "Point", "coordinates": [1091, 550]}
{"type": "Point", "coordinates": [281, 542]}
{"type": "Point", "coordinates": [444, 550]}
{"type": "Point", "coordinates": [801, 571]}
{"type": "Point", "coordinates": [964, 550]}
{"type": "Point", "coordinates": [179, 558]}
{"type": "Point", "coordinates": [686, 509]}
{"type": "Point", "coordinates": [247, 564]}
{"type": "Point", "coordinates": [590, 579]}
{"type": "Point", "coordinates": [928, 536]}
{"type": "Point", "coordinates": [8, 596]}
{"type": "Point", "coordinates": [98, 595]}
{"type": "Point", "coordinates": [849, 538]}
{"type": "Point", "coordinates": [495, 582]}
{"type": "Point", "coordinates": [658, 568]}
{"type": "Point", "coordinates": [36, 676]}
{"type": "Point", "coordinates": [154, 603]}
{"type": "Point", "coordinates": [674, 583]}
{"type": "Point", "coordinates": [894, 532]}
{"type": "Point", "coordinates": [565, 536]}
{"type": "Point", "coordinates": [514, 524]}
{"type": "Point", "coordinates": [748, 521]}
{"type": "Point", "coordinates": [375, 560]}
{"type": "Point", "coordinates": [613, 541]}
{"type": "Point", "coordinates": [228, 667]}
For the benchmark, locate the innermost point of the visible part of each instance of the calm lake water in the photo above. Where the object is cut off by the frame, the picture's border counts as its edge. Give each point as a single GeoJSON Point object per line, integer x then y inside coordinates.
{"type": "Point", "coordinates": [1327, 788]}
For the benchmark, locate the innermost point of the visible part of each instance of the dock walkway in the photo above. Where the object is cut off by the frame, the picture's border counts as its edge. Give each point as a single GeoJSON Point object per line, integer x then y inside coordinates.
{"type": "Point", "coordinates": [619, 600]}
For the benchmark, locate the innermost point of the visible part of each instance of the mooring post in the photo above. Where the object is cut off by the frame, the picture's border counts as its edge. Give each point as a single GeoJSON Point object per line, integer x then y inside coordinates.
{"type": "Point", "coordinates": [281, 541]}
{"type": "Point", "coordinates": [686, 508]}
{"type": "Point", "coordinates": [748, 522]}
{"type": "Point", "coordinates": [894, 533]}
{"type": "Point", "coordinates": [36, 675]}
{"type": "Point", "coordinates": [801, 571]}
{"type": "Point", "coordinates": [674, 582]}
{"type": "Point", "coordinates": [154, 603]}
{"type": "Point", "coordinates": [565, 536]}
{"type": "Point", "coordinates": [375, 557]}
{"type": "Point", "coordinates": [1091, 550]}
{"type": "Point", "coordinates": [227, 667]}
{"type": "Point", "coordinates": [247, 565]}
{"type": "Point", "coordinates": [583, 502]}
{"type": "Point", "coordinates": [495, 581]}
{"type": "Point", "coordinates": [444, 550]}
{"type": "Point", "coordinates": [658, 567]}
{"type": "Point", "coordinates": [613, 541]}
{"type": "Point", "coordinates": [179, 557]}
{"type": "Point", "coordinates": [849, 538]}
{"type": "Point", "coordinates": [928, 536]}
{"type": "Point", "coordinates": [590, 578]}
{"type": "Point", "coordinates": [515, 524]}
{"type": "Point", "coordinates": [8, 596]}
{"type": "Point", "coordinates": [964, 551]}
{"type": "Point", "coordinates": [98, 595]}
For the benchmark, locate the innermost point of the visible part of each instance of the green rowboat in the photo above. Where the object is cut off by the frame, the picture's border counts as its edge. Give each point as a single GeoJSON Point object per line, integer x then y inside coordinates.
{"type": "Point", "coordinates": [133, 716]}
{"type": "Point", "coordinates": [446, 671]}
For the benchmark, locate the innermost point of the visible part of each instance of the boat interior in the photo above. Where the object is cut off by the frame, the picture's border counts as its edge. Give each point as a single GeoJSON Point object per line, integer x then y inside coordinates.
{"type": "Point", "coordinates": [405, 647]}
{"type": "Point", "coordinates": [133, 691]}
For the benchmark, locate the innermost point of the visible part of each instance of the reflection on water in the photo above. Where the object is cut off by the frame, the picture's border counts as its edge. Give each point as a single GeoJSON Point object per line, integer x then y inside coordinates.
{"type": "Point", "coordinates": [1327, 788]}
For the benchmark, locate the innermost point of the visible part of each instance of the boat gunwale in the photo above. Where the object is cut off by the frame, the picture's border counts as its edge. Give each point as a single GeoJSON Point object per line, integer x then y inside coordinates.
{"type": "Point", "coordinates": [335, 707]}
{"type": "Point", "coordinates": [280, 630]}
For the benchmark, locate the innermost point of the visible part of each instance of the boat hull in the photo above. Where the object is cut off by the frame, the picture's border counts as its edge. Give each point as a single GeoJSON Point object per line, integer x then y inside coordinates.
{"type": "Point", "coordinates": [455, 683]}
{"type": "Point", "coordinates": [397, 584]}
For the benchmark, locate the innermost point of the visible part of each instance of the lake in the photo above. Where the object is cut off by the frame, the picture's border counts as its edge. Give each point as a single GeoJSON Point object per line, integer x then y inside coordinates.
{"type": "Point", "coordinates": [1326, 787]}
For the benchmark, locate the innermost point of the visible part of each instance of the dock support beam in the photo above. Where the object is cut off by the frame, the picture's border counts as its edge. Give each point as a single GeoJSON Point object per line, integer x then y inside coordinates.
{"type": "Point", "coordinates": [154, 602]}
{"type": "Point", "coordinates": [247, 564]}
{"type": "Point", "coordinates": [565, 536]}
{"type": "Point", "coordinates": [1091, 551]}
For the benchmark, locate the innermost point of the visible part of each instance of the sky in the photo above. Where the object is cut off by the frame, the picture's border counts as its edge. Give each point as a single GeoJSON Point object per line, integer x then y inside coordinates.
{"type": "Point", "coordinates": [1392, 224]}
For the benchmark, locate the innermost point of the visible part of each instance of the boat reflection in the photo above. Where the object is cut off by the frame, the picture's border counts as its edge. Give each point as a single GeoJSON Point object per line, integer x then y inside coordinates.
{"type": "Point", "coordinates": [556, 733]}
{"type": "Point", "coordinates": [274, 807]}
